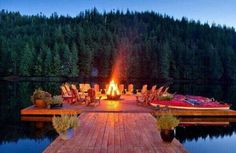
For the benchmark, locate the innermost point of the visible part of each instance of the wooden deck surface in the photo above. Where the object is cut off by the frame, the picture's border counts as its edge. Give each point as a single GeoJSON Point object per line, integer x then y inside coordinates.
{"type": "Point", "coordinates": [126, 104]}
{"type": "Point", "coordinates": [115, 133]}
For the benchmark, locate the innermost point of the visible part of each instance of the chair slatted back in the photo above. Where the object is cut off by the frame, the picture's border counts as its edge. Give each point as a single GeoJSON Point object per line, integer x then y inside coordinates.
{"type": "Point", "coordinates": [67, 87]}
{"type": "Point", "coordinates": [166, 90]}
{"type": "Point", "coordinates": [75, 90]}
{"type": "Point", "coordinates": [96, 88]}
{"type": "Point", "coordinates": [159, 91]}
{"type": "Point", "coordinates": [121, 88]}
{"type": "Point", "coordinates": [91, 93]}
{"type": "Point", "coordinates": [144, 89]}
{"type": "Point", "coordinates": [130, 88]}
{"type": "Point", "coordinates": [81, 87]}
{"type": "Point", "coordinates": [153, 88]}
{"type": "Point", "coordinates": [63, 91]}
{"type": "Point", "coordinates": [86, 87]}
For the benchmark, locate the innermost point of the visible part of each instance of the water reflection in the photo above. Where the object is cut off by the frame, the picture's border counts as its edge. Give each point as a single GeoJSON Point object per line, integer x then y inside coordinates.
{"type": "Point", "coordinates": [15, 135]}
{"type": "Point", "coordinates": [30, 130]}
{"type": "Point", "coordinates": [208, 139]}
{"type": "Point", "coordinates": [190, 133]}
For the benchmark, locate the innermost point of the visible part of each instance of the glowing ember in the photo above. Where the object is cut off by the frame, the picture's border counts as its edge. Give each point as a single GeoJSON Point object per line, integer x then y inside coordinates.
{"type": "Point", "coordinates": [113, 91]}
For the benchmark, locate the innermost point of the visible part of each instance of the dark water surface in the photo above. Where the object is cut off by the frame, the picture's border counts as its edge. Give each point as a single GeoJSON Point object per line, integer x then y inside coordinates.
{"type": "Point", "coordinates": [33, 137]}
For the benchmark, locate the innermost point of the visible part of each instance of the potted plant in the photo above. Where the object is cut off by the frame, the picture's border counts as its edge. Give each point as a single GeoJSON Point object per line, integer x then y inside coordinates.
{"type": "Point", "coordinates": [55, 102]}
{"type": "Point", "coordinates": [64, 125]}
{"type": "Point", "coordinates": [166, 124]}
{"type": "Point", "coordinates": [40, 98]}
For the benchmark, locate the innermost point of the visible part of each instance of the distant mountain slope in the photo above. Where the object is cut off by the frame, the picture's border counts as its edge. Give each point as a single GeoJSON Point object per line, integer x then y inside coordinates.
{"type": "Point", "coordinates": [145, 45]}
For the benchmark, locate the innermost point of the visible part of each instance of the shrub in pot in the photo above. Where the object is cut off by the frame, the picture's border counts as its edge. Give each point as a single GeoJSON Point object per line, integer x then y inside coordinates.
{"type": "Point", "coordinates": [40, 98]}
{"type": "Point", "coordinates": [64, 125]}
{"type": "Point", "coordinates": [166, 124]}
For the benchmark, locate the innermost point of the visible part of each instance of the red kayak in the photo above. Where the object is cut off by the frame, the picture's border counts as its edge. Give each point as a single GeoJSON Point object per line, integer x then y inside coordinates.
{"type": "Point", "coordinates": [191, 102]}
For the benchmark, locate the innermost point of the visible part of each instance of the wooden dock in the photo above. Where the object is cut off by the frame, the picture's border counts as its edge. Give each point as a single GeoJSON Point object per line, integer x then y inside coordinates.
{"type": "Point", "coordinates": [126, 105]}
{"type": "Point", "coordinates": [115, 133]}
{"type": "Point", "coordinates": [122, 126]}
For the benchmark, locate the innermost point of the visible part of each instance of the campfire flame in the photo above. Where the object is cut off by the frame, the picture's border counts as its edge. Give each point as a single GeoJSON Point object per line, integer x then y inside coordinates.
{"type": "Point", "coordinates": [113, 89]}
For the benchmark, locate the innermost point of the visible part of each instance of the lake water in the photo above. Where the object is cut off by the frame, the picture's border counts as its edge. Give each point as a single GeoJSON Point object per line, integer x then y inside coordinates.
{"type": "Point", "coordinates": [33, 137]}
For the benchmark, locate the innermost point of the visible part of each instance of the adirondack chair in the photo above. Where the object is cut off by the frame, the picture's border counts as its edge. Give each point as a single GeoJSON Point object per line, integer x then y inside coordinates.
{"type": "Point", "coordinates": [97, 89]}
{"type": "Point", "coordinates": [141, 97]}
{"type": "Point", "coordinates": [144, 89]}
{"type": "Point", "coordinates": [153, 89]}
{"type": "Point", "coordinates": [106, 88]}
{"type": "Point", "coordinates": [145, 97]}
{"type": "Point", "coordinates": [84, 87]}
{"type": "Point", "coordinates": [121, 88]}
{"type": "Point", "coordinates": [87, 87]}
{"type": "Point", "coordinates": [91, 98]}
{"type": "Point", "coordinates": [166, 90]}
{"type": "Point", "coordinates": [130, 89]}
{"type": "Point", "coordinates": [67, 95]}
{"type": "Point", "coordinates": [79, 97]}
{"type": "Point", "coordinates": [81, 87]}
{"type": "Point", "coordinates": [159, 91]}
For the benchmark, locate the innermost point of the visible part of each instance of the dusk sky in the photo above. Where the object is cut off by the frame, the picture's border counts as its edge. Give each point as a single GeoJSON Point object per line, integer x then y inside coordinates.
{"type": "Point", "coordinates": [218, 11]}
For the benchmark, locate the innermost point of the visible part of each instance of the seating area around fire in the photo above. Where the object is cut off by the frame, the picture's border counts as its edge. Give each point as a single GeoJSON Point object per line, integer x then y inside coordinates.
{"type": "Point", "coordinates": [75, 98]}
{"type": "Point", "coordinates": [154, 96]}
{"type": "Point", "coordinates": [87, 94]}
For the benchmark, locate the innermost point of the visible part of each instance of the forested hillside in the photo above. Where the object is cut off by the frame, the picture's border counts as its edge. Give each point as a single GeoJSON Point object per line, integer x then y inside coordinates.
{"type": "Point", "coordinates": [148, 45]}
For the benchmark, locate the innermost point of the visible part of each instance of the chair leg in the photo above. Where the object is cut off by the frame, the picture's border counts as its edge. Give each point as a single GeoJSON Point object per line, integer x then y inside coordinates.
{"type": "Point", "coordinates": [137, 100]}
{"type": "Point", "coordinates": [99, 100]}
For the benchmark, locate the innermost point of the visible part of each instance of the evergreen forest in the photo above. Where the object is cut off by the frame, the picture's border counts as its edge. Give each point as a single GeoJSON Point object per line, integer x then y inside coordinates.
{"type": "Point", "coordinates": [142, 44]}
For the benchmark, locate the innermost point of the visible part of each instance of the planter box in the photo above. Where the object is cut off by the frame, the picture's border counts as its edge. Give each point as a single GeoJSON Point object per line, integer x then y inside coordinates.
{"type": "Point", "coordinates": [40, 103]}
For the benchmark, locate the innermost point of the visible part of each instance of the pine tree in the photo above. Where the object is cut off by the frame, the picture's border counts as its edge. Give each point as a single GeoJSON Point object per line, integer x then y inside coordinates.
{"type": "Point", "coordinates": [47, 62]}
{"type": "Point", "coordinates": [85, 64]}
{"type": "Point", "coordinates": [74, 61]}
{"type": "Point", "coordinates": [66, 60]}
{"type": "Point", "coordinates": [26, 61]}
{"type": "Point", "coordinates": [38, 64]}
{"type": "Point", "coordinates": [164, 61]}
{"type": "Point", "coordinates": [230, 66]}
{"type": "Point", "coordinates": [56, 61]}
{"type": "Point", "coordinates": [215, 64]}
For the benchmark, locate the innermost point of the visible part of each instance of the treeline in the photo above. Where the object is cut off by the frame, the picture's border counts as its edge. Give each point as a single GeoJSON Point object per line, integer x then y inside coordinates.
{"type": "Point", "coordinates": [147, 45]}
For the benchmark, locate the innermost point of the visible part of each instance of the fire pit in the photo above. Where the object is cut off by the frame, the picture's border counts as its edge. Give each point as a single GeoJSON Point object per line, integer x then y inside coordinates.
{"type": "Point", "coordinates": [113, 92]}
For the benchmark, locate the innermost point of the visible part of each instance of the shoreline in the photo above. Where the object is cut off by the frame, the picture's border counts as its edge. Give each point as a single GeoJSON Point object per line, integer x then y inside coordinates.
{"type": "Point", "coordinates": [106, 79]}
